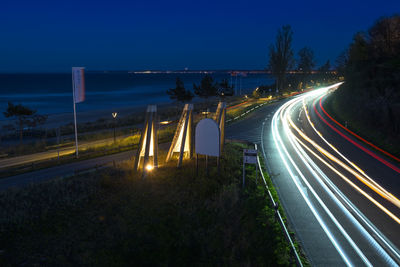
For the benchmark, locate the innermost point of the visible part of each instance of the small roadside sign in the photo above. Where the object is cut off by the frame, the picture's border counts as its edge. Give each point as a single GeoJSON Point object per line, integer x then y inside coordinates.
{"type": "Point", "coordinates": [249, 156]}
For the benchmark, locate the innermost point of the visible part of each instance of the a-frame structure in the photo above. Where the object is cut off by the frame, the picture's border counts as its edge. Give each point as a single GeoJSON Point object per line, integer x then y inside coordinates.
{"type": "Point", "coordinates": [183, 138]}
{"type": "Point", "coordinates": [219, 117]}
{"type": "Point", "coordinates": [148, 144]}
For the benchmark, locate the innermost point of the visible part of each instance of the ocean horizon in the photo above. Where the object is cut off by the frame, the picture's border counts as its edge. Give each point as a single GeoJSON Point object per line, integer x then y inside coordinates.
{"type": "Point", "coordinates": [51, 93]}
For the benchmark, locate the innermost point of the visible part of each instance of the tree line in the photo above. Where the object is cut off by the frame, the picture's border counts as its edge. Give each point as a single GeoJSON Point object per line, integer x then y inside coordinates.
{"type": "Point", "coordinates": [371, 69]}
{"type": "Point", "coordinates": [281, 59]}
{"type": "Point", "coordinates": [207, 88]}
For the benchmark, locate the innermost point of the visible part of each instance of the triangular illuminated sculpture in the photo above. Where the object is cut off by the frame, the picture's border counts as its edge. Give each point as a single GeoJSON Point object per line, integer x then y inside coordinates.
{"type": "Point", "coordinates": [219, 117]}
{"type": "Point", "coordinates": [148, 144]}
{"type": "Point", "coordinates": [183, 138]}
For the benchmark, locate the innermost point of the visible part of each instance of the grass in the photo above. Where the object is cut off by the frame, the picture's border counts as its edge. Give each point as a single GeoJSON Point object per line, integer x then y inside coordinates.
{"type": "Point", "coordinates": [274, 194]}
{"type": "Point", "coordinates": [371, 134]}
{"type": "Point", "coordinates": [173, 217]}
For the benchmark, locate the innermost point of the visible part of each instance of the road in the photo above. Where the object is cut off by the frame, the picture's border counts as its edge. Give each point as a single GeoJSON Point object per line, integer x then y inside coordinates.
{"type": "Point", "coordinates": [54, 153]}
{"type": "Point", "coordinates": [340, 196]}
{"type": "Point", "coordinates": [333, 188]}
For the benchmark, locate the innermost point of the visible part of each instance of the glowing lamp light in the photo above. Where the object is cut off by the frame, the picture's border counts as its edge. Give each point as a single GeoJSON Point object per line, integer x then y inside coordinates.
{"type": "Point", "coordinates": [114, 114]}
{"type": "Point", "coordinates": [165, 122]}
{"type": "Point", "coordinates": [149, 167]}
{"type": "Point", "coordinates": [148, 143]}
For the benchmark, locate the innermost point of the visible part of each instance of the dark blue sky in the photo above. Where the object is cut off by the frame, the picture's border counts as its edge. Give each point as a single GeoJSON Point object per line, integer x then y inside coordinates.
{"type": "Point", "coordinates": [53, 36]}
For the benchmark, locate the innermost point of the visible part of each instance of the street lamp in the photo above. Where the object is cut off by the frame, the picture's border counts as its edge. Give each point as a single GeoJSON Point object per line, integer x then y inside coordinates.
{"type": "Point", "coordinates": [114, 114]}
{"type": "Point", "coordinates": [206, 112]}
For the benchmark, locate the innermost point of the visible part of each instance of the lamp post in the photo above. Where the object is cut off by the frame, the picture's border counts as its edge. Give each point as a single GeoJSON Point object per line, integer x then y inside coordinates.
{"type": "Point", "coordinates": [206, 112]}
{"type": "Point", "coordinates": [114, 114]}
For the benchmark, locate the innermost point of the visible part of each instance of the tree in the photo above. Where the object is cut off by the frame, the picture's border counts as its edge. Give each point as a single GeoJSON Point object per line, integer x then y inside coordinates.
{"type": "Point", "coordinates": [372, 73]}
{"type": "Point", "coordinates": [207, 87]}
{"type": "Point", "coordinates": [306, 60]}
{"type": "Point", "coordinates": [326, 67]}
{"type": "Point", "coordinates": [305, 64]}
{"type": "Point", "coordinates": [179, 92]}
{"type": "Point", "coordinates": [225, 89]}
{"type": "Point", "coordinates": [281, 55]}
{"type": "Point", "coordinates": [341, 62]}
{"type": "Point", "coordinates": [25, 117]}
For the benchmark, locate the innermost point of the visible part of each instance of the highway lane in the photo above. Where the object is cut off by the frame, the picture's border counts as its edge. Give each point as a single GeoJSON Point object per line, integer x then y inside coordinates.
{"type": "Point", "coordinates": [356, 212]}
{"type": "Point", "coordinates": [336, 224]}
{"type": "Point", "coordinates": [256, 128]}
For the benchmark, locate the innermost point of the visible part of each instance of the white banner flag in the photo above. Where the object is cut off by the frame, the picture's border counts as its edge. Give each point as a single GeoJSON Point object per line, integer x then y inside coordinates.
{"type": "Point", "coordinates": [78, 77]}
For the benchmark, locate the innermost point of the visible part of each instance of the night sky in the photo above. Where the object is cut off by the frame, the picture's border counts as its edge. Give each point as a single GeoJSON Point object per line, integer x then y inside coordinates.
{"type": "Point", "coordinates": [52, 36]}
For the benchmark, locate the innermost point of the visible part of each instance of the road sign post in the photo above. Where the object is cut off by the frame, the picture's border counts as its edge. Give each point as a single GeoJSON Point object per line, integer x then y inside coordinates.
{"type": "Point", "coordinates": [249, 157]}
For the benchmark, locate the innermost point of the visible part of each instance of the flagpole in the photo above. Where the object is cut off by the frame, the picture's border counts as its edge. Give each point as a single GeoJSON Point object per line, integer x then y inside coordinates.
{"type": "Point", "coordinates": [76, 131]}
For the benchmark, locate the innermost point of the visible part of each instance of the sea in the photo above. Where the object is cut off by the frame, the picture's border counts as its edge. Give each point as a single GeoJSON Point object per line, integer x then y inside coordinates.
{"type": "Point", "coordinates": [51, 93]}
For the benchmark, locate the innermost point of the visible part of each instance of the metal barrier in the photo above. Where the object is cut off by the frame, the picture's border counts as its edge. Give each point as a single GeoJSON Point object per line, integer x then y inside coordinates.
{"type": "Point", "coordinates": [281, 222]}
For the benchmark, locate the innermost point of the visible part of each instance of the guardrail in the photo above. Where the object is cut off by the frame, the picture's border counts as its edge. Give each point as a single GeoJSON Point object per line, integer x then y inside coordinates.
{"type": "Point", "coordinates": [281, 222]}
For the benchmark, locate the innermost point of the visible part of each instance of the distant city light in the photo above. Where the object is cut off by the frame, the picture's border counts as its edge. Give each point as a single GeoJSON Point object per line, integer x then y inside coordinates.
{"type": "Point", "coordinates": [114, 114]}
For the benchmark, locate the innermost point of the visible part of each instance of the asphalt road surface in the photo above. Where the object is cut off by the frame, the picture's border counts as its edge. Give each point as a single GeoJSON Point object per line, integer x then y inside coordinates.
{"type": "Point", "coordinates": [340, 196]}
{"type": "Point", "coordinates": [54, 153]}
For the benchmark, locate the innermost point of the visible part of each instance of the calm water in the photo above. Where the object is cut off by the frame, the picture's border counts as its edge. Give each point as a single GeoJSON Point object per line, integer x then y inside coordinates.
{"type": "Point", "coordinates": [52, 93]}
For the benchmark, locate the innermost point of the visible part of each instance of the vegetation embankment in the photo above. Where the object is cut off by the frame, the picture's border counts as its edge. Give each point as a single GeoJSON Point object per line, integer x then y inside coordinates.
{"type": "Point", "coordinates": [172, 217]}
{"type": "Point", "coordinates": [369, 100]}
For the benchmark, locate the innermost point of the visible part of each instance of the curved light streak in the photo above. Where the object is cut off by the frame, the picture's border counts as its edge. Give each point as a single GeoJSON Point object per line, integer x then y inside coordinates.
{"type": "Point", "coordinates": [331, 216]}
{"type": "Point", "coordinates": [329, 189]}
{"type": "Point", "coordinates": [278, 140]}
{"type": "Point", "coordinates": [369, 181]}
{"type": "Point", "coordinates": [359, 177]}
{"type": "Point", "coordinates": [349, 209]}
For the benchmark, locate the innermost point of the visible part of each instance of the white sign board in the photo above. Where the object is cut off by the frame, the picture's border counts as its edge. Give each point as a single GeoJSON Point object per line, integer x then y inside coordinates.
{"type": "Point", "coordinates": [250, 156]}
{"type": "Point", "coordinates": [207, 138]}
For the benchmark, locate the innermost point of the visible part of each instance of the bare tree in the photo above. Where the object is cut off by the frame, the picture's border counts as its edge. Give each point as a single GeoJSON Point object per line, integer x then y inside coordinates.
{"type": "Point", "coordinates": [305, 64]}
{"type": "Point", "coordinates": [281, 57]}
{"type": "Point", "coordinates": [306, 60]}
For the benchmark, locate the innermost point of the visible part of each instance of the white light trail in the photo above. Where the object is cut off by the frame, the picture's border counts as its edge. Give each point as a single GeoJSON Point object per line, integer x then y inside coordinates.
{"type": "Point", "coordinates": [363, 177]}
{"type": "Point", "coordinates": [278, 143]}
{"type": "Point", "coordinates": [284, 114]}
